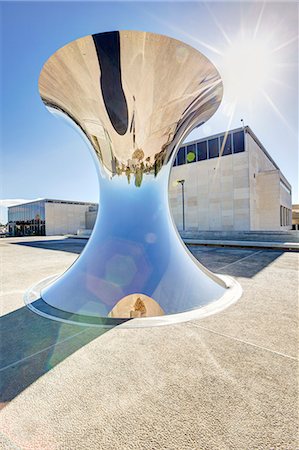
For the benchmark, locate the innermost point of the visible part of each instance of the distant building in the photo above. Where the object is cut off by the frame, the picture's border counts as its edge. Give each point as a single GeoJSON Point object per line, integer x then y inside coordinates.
{"type": "Point", "coordinates": [47, 217]}
{"type": "Point", "coordinates": [3, 230]}
{"type": "Point", "coordinates": [295, 217]}
{"type": "Point", "coordinates": [90, 216]}
{"type": "Point", "coordinates": [230, 183]}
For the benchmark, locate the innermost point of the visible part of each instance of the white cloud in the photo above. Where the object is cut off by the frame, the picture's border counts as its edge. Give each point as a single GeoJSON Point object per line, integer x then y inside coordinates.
{"type": "Point", "coordinates": [14, 201]}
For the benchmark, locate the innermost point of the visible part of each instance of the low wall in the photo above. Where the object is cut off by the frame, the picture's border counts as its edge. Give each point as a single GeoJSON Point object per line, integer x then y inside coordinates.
{"type": "Point", "coordinates": [259, 236]}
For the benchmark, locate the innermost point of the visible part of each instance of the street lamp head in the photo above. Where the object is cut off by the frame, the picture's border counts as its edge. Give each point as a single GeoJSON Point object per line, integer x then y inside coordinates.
{"type": "Point", "coordinates": [181, 181]}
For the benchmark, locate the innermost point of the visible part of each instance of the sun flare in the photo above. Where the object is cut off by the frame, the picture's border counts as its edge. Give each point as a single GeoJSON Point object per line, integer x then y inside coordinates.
{"type": "Point", "coordinates": [247, 69]}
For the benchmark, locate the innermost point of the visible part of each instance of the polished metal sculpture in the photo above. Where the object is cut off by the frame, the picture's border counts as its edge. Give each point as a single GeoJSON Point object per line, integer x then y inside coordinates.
{"type": "Point", "coordinates": [133, 96]}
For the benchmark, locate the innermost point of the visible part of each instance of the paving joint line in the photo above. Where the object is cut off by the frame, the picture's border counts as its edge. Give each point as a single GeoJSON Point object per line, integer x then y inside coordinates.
{"type": "Point", "coordinates": [195, 324]}
{"type": "Point", "coordinates": [40, 351]}
{"type": "Point", "coordinates": [241, 259]}
{"type": "Point", "coordinates": [244, 342]}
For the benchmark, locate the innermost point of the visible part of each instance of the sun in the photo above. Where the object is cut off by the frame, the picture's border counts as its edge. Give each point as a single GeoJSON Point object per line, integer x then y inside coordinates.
{"type": "Point", "coordinates": [257, 60]}
{"type": "Point", "coordinates": [247, 68]}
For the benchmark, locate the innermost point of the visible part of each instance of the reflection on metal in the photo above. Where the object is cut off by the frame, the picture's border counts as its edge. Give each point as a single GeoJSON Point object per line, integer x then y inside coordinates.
{"type": "Point", "coordinates": [133, 96]}
{"type": "Point", "coordinates": [136, 305]}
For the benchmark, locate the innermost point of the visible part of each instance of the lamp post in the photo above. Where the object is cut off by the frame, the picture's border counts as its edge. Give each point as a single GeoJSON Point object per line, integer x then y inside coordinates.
{"type": "Point", "coordinates": [183, 201]}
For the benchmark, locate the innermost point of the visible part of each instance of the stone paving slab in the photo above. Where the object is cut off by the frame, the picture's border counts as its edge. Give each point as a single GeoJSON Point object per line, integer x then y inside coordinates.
{"type": "Point", "coordinates": [225, 382]}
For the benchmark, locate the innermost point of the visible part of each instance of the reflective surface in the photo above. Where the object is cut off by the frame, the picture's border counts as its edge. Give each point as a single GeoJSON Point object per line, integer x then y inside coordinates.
{"type": "Point", "coordinates": [133, 96]}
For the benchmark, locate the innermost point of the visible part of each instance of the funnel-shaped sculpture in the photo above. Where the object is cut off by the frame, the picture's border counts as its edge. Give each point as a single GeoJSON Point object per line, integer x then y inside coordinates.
{"type": "Point", "coordinates": [134, 96]}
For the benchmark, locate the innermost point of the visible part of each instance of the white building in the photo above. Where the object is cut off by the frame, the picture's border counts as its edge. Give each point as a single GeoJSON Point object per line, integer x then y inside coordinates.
{"type": "Point", "coordinates": [47, 217]}
{"type": "Point", "coordinates": [230, 182]}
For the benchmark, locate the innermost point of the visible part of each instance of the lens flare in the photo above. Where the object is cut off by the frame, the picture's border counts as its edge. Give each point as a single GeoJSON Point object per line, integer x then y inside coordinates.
{"type": "Point", "coordinates": [247, 66]}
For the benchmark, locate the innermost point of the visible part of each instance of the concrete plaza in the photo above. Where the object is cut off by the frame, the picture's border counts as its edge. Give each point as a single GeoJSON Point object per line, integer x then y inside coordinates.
{"type": "Point", "coordinates": [228, 381]}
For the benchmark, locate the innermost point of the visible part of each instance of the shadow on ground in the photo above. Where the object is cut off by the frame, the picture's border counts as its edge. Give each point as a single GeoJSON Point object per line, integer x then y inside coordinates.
{"type": "Point", "coordinates": [238, 262]}
{"type": "Point", "coordinates": [62, 245]}
{"type": "Point", "coordinates": [32, 345]}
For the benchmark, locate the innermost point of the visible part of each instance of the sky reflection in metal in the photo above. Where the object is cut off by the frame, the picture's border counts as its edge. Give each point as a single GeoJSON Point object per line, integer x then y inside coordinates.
{"type": "Point", "coordinates": [133, 96]}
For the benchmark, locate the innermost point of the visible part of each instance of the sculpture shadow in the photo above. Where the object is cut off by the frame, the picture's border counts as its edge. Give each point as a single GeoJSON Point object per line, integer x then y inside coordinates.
{"type": "Point", "coordinates": [32, 345]}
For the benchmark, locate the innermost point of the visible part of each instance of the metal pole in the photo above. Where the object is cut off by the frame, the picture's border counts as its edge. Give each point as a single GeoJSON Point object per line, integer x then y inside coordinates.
{"type": "Point", "coordinates": [183, 201]}
{"type": "Point", "coordinates": [183, 198]}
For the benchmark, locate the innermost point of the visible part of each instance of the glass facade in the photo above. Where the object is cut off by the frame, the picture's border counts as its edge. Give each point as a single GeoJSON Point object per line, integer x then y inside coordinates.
{"type": "Point", "coordinates": [181, 156]}
{"type": "Point", "coordinates": [27, 219]}
{"type": "Point", "coordinates": [213, 145]}
{"type": "Point", "coordinates": [238, 141]}
{"type": "Point", "coordinates": [285, 216]}
{"type": "Point", "coordinates": [225, 144]}
{"type": "Point", "coordinates": [191, 153]}
{"type": "Point", "coordinates": [202, 150]}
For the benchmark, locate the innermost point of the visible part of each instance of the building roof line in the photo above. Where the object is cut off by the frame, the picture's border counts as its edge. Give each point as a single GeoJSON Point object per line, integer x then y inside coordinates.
{"type": "Point", "coordinates": [53, 200]}
{"type": "Point", "coordinates": [256, 139]}
{"type": "Point", "coordinates": [248, 130]}
{"type": "Point", "coordinates": [194, 141]}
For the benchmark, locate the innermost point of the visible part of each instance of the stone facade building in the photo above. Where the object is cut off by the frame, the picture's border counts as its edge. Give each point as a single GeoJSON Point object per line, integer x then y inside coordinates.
{"type": "Point", "coordinates": [230, 182]}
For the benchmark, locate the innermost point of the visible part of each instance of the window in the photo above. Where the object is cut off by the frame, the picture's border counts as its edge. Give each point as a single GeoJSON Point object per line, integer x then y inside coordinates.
{"type": "Point", "coordinates": [42, 211]}
{"type": "Point", "coordinates": [213, 148]}
{"type": "Point", "coordinates": [284, 216]}
{"type": "Point", "coordinates": [227, 150]}
{"type": "Point", "coordinates": [201, 150]}
{"type": "Point", "coordinates": [191, 153]}
{"type": "Point", "coordinates": [239, 145]}
{"type": "Point", "coordinates": [181, 159]}
{"type": "Point", "coordinates": [281, 216]}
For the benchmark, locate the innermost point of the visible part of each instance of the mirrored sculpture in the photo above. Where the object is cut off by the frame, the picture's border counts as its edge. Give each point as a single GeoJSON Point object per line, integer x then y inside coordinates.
{"type": "Point", "coordinates": [133, 96]}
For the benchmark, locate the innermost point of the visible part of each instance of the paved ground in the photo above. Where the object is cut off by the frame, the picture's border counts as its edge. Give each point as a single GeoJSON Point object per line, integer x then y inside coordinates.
{"type": "Point", "coordinates": [225, 382]}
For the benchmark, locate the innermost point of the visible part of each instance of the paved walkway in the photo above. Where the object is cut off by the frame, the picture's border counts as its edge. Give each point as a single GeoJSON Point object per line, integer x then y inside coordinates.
{"type": "Point", "coordinates": [225, 382]}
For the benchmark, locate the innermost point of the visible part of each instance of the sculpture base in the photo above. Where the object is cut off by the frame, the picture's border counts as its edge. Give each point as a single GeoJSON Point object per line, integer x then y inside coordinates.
{"type": "Point", "coordinates": [35, 303]}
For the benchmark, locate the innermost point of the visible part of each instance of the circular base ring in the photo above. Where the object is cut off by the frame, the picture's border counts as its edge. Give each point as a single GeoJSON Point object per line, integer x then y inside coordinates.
{"type": "Point", "coordinates": [35, 303]}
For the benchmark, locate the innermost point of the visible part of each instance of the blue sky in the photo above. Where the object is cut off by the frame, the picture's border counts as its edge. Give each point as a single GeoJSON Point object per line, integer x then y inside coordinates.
{"type": "Point", "coordinates": [43, 157]}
